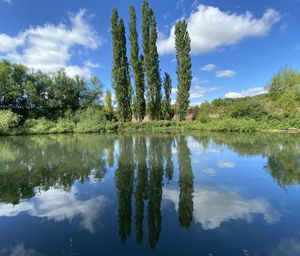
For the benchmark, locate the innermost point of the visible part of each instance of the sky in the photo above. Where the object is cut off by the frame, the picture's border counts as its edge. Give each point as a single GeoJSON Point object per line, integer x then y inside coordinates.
{"type": "Point", "coordinates": [237, 46]}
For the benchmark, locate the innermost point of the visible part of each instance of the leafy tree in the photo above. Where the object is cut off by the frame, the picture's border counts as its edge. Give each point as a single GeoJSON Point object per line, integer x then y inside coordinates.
{"type": "Point", "coordinates": [136, 64]}
{"type": "Point", "coordinates": [109, 111]}
{"type": "Point", "coordinates": [184, 65]}
{"type": "Point", "coordinates": [154, 80]}
{"type": "Point", "coordinates": [120, 71]}
{"type": "Point", "coordinates": [167, 110]}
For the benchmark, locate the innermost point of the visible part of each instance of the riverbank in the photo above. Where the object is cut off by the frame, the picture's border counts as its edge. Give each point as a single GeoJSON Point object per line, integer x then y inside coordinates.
{"type": "Point", "coordinates": [222, 125]}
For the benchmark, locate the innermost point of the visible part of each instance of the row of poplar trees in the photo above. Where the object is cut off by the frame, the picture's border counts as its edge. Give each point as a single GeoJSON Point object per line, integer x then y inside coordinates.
{"type": "Point", "coordinates": [145, 70]}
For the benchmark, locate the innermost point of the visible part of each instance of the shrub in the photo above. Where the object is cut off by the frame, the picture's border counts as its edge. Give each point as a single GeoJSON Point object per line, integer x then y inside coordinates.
{"type": "Point", "coordinates": [252, 110]}
{"type": "Point", "coordinates": [8, 120]}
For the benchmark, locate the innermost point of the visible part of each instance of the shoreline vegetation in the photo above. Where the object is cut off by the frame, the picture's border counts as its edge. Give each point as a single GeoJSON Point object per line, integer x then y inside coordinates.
{"type": "Point", "coordinates": [33, 102]}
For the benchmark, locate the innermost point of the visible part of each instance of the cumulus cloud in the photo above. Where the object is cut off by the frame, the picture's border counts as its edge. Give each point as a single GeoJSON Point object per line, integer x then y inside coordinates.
{"type": "Point", "coordinates": [212, 207]}
{"type": "Point", "coordinates": [211, 28]}
{"type": "Point", "coordinates": [50, 47]}
{"type": "Point", "coordinates": [225, 73]}
{"type": "Point", "coordinates": [226, 164]}
{"type": "Point", "coordinates": [198, 91]}
{"type": "Point", "coordinates": [59, 205]}
{"type": "Point", "coordinates": [247, 93]}
{"type": "Point", "coordinates": [208, 67]}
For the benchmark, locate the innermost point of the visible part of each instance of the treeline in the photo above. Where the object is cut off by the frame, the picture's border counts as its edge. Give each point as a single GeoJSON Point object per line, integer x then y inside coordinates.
{"type": "Point", "coordinates": [34, 94]}
{"type": "Point", "coordinates": [147, 96]}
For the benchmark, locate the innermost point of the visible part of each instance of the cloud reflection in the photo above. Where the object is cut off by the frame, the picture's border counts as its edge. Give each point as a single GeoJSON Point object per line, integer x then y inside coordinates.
{"type": "Point", "coordinates": [212, 208]}
{"type": "Point", "coordinates": [59, 205]}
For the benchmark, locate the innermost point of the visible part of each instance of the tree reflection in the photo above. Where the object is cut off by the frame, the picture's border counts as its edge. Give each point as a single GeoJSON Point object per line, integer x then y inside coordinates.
{"type": "Point", "coordinates": [124, 183]}
{"type": "Point", "coordinates": [168, 157]}
{"type": "Point", "coordinates": [185, 207]}
{"type": "Point", "coordinates": [155, 189]}
{"type": "Point", "coordinates": [142, 178]}
{"type": "Point", "coordinates": [42, 162]}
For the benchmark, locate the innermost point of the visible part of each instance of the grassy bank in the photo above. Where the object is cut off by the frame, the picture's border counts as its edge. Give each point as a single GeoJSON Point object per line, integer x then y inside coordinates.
{"type": "Point", "coordinates": [43, 126]}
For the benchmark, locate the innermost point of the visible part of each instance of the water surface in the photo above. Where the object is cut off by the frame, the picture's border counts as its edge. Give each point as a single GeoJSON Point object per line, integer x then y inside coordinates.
{"type": "Point", "coordinates": [160, 194]}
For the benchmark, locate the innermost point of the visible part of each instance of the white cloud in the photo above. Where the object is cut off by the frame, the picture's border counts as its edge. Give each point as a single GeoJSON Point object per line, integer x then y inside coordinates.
{"type": "Point", "coordinates": [7, 1]}
{"type": "Point", "coordinates": [287, 247]}
{"type": "Point", "coordinates": [212, 207]}
{"type": "Point", "coordinates": [198, 91]}
{"type": "Point", "coordinates": [59, 205]}
{"type": "Point", "coordinates": [210, 28]}
{"type": "Point", "coordinates": [226, 164]}
{"type": "Point", "coordinates": [49, 47]}
{"type": "Point", "coordinates": [225, 73]}
{"type": "Point", "coordinates": [19, 250]}
{"type": "Point", "coordinates": [247, 93]}
{"type": "Point", "coordinates": [210, 171]}
{"type": "Point", "coordinates": [208, 67]}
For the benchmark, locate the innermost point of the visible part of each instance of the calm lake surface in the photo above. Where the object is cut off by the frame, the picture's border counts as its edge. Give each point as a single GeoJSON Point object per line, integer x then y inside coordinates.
{"type": "Point", "coordinates": [184, 194]}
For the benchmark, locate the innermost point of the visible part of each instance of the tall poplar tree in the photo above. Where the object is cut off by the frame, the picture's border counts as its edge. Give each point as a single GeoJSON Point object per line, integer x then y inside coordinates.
{"type": "Point", "coordinates": [154, 81]}
{"type": "Point", "coordinates": [151, 62]}
{"type": "Point", "coordinates": [136, 64]}
{"type": "Point", "coordinates": [167, 110]}
{"type": "Point", "coordinates": [184, 66]}
{"type": "Point", "coordinates": [120, 71]}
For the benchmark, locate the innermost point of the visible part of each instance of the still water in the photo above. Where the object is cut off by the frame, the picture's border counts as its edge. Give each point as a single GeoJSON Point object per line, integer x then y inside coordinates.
{"type": "Point", "coordinates": [156, 194]}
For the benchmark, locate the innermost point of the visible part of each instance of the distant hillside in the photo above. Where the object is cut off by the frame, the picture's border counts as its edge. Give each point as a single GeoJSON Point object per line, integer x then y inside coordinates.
{"type": "Point", "coordinates": [282, 101]}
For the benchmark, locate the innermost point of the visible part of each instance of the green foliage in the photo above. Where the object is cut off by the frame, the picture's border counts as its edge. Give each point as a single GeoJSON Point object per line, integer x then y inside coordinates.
{"type": "Point", "coordinates": [91, 119]}
{"type": "Point", "coordinates": [136, 64]}
{"type": "Point", "coordinates": [167, 112]}
{"type": "Point", "coordinates": [153, 72]}
{"type": "Point", "coordinates": [249, 110]}
{"type": "Point", "coordinates": [120, 70]}
{"type": "Point", "coordinates": [8, 120]}
{"type": "Point", "coordinates": [108, 108]}
{"type": "Point", "coordinates": [184, 66]}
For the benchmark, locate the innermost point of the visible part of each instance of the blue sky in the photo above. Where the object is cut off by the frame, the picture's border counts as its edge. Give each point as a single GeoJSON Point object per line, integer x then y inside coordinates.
{"type": "Point", "coordinates": [237, 46]}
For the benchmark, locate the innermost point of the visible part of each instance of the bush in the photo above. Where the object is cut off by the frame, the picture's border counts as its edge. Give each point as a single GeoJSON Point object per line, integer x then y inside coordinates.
{"type": "Point", "coordinates": [8, 120]}
{"type": "Point", "coordinates": [253, 110]}
{"type": "Point", "coordinates": [91, 119]}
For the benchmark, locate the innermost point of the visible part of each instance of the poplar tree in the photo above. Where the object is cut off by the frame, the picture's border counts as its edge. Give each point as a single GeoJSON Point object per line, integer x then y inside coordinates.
{"type": "Point", "coordinates": [136, 64]}
{"type": "Point", "coordinates": [167, 110]}
{"type": "Point", "coordinates": [154, 81]}
{"type": "Point", "coordinates": [184, 66]}
{"type": "Point", "coordinates": [120, 71]}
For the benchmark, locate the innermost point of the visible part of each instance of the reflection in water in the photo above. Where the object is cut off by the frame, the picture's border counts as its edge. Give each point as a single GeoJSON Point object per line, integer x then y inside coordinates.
{"type": "Point", "coordinates": [19, 250]}
{"type": "Point", "coordinates": [212, 207]}
{"type": "Point", "coordinates": [59, 205]}
{"type": "Point", "coordinates": [124, 183]}
{"type": "Point", "coordinates": [37, 176]}
{"type": "Point", "coordinates": [185, 208]}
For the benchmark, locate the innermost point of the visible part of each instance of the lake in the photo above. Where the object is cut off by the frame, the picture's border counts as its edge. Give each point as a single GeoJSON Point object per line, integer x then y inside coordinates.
{"type": "Point", "coordinates": [154, 194]}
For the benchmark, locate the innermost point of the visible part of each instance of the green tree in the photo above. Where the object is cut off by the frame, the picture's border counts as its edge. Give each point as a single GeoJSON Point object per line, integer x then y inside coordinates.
{"type": "Point", "coordinates": [136, 64]}
{"type": "Point", "coordinates": [109, 111]}
{"type": "Point", "coordinates": [151, 62]}
{"type": "Point", "coordinates": [120, 70]}
{"type": "Point", "coordinates": [154, 81]}
{"type": "Point", "coordinates": [184, 66]}
{"type": "Point", "coordinates": [167, 110]}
